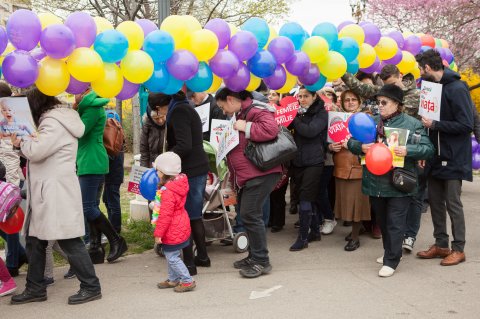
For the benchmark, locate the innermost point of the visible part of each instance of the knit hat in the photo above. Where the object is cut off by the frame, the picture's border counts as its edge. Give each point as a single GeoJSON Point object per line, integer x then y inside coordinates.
{"type": "Point", "coordinates": [391, 91]}
{"type": "Point", "coordinates": [168, 163]}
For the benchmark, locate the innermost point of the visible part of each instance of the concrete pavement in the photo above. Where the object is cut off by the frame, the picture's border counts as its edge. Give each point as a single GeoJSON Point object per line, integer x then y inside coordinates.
{"type": "Point", "coordinates": [322, 281]}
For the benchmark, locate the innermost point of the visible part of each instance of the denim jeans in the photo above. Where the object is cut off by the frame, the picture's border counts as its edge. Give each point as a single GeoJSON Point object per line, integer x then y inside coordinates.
{"type": "Point", "coordinates": [111, 198]}
{"type": "Point", "coordinates": [414, 214]}
{"type": "Point", "coordinates": [177, 271]}
{"type": "Point", "coordinates": [14, 249]}
{"type": "Point", "coordinates": [238, 220]}
{"type": "Point", "coordinates": [323, 204]}
{"type": "Point", "coordinates": [194, 203]}
{"type": "Point", "coordinates": [91, 188]}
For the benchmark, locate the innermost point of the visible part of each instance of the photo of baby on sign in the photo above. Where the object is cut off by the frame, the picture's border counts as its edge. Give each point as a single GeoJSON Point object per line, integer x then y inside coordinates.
{"type": "Point", "coordinates": [16, 118]}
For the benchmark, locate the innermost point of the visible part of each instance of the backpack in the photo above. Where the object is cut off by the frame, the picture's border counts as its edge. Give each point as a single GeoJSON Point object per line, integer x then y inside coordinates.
{"type": "Point", "coordinates": [113, 137]}
{"type": "Point", "coordinates": [9, 200]}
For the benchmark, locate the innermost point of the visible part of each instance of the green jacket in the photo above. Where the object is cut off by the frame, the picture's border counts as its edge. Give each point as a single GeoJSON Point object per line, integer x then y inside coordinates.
{"type": "Point", "coordinates": [381, 186]}
{"type": "Point", "coordinates": [92, 157]}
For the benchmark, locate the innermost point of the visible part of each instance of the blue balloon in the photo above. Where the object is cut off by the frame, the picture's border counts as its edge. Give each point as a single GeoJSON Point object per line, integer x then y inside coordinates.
{"type": "Point", "coordinates": [259, 28]}
{"type": "Point", "coordinates": [173, 86]}
{"type": "Point", "coordinates": [317, 85]}
{"type": "Point", "coordinates": [111, 45]}
{"type": "Point", "coordinates": [159, 79]}
{"type": "Point", "coordinates": [294, 32]}
{"type": "Point", "coordinates": [362, 127]}
{"type": "Point", "coordinates": [352, 67]}
{"type": "Point", "coordinates": [149, 183]}
{"type": "Point", "coordinates": [347, 47]}
{"type": "Point", "coordinates": [328, 31]}
{"type": "Point", "coordinates": [262, 64]}
{"type": "Point", "coordinates": [159, 45]}
{"type": "Point", "coordinates": [202, 80]}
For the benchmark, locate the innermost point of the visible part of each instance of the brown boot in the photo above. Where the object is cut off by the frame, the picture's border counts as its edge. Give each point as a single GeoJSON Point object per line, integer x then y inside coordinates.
{"type": "Point", "coordinates": [184, 287]}
{"type": "Point", "coordinates": [434, 252]}
{"type": "Point", "coordinates": [167, 284]}
{"type": "Point", "coordinates": [454, 258]}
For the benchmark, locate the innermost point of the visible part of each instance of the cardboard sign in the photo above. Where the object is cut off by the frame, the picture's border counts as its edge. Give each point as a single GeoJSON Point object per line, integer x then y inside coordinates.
{"type": "Point", "coordinates": [218, 126]}
{"type": "Point", "coordinates": [430, 100]}
{"type": "Point", "coordinates": [338, 127]}
{"type": "Point", "coordinates": [204, 113]}
{"type": "Point", "coordinates": [135, 177]}
{"type": "Point", "coordinates": [227, 141]}
{"type": "Point", "coordinates": [287, 110]}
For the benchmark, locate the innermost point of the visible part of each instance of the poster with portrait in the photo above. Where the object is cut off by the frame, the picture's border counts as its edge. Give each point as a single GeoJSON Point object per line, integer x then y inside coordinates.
{"type": "Point", "coordinates": [396, 137]}
{"type": "Point", "coordinates": [16, 118]}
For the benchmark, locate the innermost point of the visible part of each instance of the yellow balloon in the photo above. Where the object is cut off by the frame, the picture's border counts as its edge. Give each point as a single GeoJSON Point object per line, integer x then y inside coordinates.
{"type": "Point", "coordinates": [386, 48]}
{"type": "Point", "coordinates": [53, 77]}
{"type": "Point", "coordinates": [9, 49]}
{"type": "Point", "coordinates": [353, 31]}
{"type": "Point", "coordinates": [181, 29]}
{"type": "Point", "coordinates": [334, 66]}
{"type": "Point", "coordinates": [273, 35]}
{"type": "Point", "coordinates": [85, 65]}
{"type": "Point", "coordinates": [102, 24]}
{"type": "Point", "coordinates": [217, 81]}
{"type": "Point", "coordinates": [454, 67]}
{"type": "Point", "coordinates": [111, 83]}
{"type": "Point", "coordinates": [254, 83]}
{"type": "Point", "coordinates": [419, 34]}
{"type": "Point", "coordinates": [366, 56]}
{"type": "Point", "coordinates": [233, 29]}
{"type": "Point", "coordinates": [289, 84]}
{"type": "Point", "coordinates": [137, 66]}
{"type": "Point", "coordinates": [407, 64]}
{"type": "Point", "coordinates": [134, 34]}
{"type": "Point", "coordinates": [47, 18]}
{"type": "Point", "coordinates": [444, 43]}
{"type": "Point", "coordinates": [416, 71]}
{"type": "Point", "coordinates": [203, 44]}
{"type": "Point", "coordinates": [316, 48]}
{"type": "Point", "coordinates": [192, 23]}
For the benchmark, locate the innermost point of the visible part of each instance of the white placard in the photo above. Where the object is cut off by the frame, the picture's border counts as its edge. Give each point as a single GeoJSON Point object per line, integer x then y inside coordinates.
{"type": "Point", "coordinates": [204, 113]}
{"type": "Point", "coordinates": [218, 126]}
{"type": "Point", "coordinates": [227, 141]}
{"type": "Point", "coordinates": [430, 100]}
{"type": "Point", "coordinates": [135, 177]}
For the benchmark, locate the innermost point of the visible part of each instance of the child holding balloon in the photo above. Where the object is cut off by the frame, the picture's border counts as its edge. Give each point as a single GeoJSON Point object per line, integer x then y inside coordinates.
{"type": "Point", "coordinates": [172, 228]}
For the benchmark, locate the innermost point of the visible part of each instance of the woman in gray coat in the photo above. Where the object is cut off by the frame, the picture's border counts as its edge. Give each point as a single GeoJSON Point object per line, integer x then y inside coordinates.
{"type": "Point", "coordinates": [54, 202]}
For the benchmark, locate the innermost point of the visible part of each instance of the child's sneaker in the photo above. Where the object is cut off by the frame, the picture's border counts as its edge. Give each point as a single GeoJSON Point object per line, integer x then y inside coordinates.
{"type": "Point", "coordinates": [167, 284]}
{"type": "Point", "coordinates": [185, 286]}
{"type": "Point", "coordinates": [7, 287]}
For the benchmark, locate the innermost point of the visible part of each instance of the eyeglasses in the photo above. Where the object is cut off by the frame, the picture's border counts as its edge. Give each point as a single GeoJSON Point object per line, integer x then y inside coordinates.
{"type": "Point", "coordinates": [382, 102]}
{"type": "Point", "coordinates": [350, 100]}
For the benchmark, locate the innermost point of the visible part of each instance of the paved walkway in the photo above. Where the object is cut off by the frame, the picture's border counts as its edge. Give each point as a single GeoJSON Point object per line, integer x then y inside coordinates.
{"type": "Point", "coordinates": [322, 281]}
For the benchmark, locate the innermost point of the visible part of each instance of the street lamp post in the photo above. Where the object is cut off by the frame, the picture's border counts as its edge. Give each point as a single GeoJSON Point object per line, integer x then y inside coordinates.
{"type": "Point", "coordinates": [163, 10]}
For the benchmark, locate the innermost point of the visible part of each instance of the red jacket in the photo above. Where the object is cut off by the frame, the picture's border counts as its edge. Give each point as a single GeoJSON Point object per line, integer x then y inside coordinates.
{"type": "Point", "coordinates": [173, 224]}
{"type": "Point", "coordinates": [261, 127]}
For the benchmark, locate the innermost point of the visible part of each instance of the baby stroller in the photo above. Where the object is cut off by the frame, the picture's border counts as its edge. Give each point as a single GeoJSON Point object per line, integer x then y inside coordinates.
{"type": "Point", "coordinates": [216, 218]}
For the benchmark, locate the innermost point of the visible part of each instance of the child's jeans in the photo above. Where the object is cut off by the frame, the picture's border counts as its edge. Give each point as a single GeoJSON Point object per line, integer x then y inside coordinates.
{"type": "Point", "coordinates": [177, 271]}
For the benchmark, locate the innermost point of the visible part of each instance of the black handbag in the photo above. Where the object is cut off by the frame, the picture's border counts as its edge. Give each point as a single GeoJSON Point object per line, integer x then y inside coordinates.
{"type": "Point", "coordinates": [404, 180]}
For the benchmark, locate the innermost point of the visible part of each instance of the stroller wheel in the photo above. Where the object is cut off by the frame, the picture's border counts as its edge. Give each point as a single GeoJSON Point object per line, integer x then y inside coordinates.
{"type": "Point", "coordinates": [158, 250]}
{"type": "Point", "coordinates": [240, 242]}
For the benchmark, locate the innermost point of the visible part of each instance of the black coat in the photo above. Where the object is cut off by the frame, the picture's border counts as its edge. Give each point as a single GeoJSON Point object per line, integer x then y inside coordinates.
{"type": "Point", "coordinates": [151, 140]}
{"type": "Point", "coordinates": [115, 169]}
{"type": "Point", "coordinates": [451, 135]}
{"type": "Point", "coordinates": [310, 134]}
{"type": "Point", "coordinates": [215, 113]}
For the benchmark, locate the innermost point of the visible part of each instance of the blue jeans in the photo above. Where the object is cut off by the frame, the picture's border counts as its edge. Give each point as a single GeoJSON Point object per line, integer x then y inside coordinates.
{"type": "Point", "coordinates": [111, 198]}
{"type": "Point", "coordinates": [238, 220]}
{"type": "Point", "coordinates": [91, 188]}
{"type": "Point", "coordinates": [177, 271]}
{"type": "Point", "coordinates": [324, 208]}
{"type": "Point", "coordinates": [14, 249]}
{"type": "Point", "coordinates": [194, 203]}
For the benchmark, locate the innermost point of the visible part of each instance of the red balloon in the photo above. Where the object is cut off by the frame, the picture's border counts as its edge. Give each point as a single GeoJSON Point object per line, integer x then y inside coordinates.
{"type": "Point", "coordinates": [14, 224]}
{"type": "Point", "coordinates": [379, 159]}
{"type": "Point", "coordinates": [427, 40]}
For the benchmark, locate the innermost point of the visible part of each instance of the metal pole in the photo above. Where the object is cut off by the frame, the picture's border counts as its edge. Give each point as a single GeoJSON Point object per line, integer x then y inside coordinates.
{"type": "Point", "coordinates": [163, 10]}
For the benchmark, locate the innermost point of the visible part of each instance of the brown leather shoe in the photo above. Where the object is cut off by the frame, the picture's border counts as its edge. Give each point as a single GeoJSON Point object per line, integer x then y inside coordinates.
{"type": "Point", "coordinates": [454, 258]}
{"type": "Point", "coordinates": [434, 252]}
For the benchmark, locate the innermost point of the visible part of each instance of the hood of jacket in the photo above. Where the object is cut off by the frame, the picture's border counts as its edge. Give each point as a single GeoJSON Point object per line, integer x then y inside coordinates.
{"type": "Point", "coordinates": [68, 118]}
{"type": "Point", "coordinates": [179, 185]}
{"type": "Point", "coordinates": [152, 121]}
{"type": "Point", "coordinates": [258, 104]}
{"type": "Point", "coordinates": [449, 76]}
{"type": "Point", "coordinates": [92, 100]}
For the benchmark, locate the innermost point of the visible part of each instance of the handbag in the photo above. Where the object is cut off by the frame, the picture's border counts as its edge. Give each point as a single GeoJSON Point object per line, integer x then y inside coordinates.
{"type": "Point", "coordinates": [404, 180]}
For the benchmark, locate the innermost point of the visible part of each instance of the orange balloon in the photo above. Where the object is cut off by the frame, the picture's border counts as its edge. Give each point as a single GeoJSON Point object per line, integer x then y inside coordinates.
{"type": "Point", "coordinates": [427, 40]}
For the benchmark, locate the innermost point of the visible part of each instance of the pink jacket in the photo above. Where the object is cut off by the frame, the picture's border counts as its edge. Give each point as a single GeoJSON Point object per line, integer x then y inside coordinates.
{"type": "Point", "coordinates": [261, 127]}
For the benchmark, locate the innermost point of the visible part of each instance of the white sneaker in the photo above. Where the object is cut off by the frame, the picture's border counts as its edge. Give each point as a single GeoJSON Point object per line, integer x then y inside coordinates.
{"type": "Point", "coordinates": [380, 260]}
{"type": "Point", "coordinates": [408, 244]}
{"type": "Point", "coordinates": [386, 271]}
{"type": "Point", "coordinates": [328, 226]}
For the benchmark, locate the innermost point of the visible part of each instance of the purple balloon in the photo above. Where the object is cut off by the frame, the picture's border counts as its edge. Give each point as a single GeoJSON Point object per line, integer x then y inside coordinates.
{"type": "Point", "coordinates": [398, 37]}
{"type": "Point", "coordinates": [147, 26]}
{"type": "Point", "coordinates": [442, 53]}
{"type": "Point", "coordinates": [395, 59]}
{"type": "Point", "coordinates": [76, 87]}
{"type": "Point", "coordinates": [20, 69]}
{"type": "Point", "coordinates": [298, 64]}
{"type": "Point", "coordinates": [344, 24]}
{"type": "Point", "coordinates": [3, 39]}
{"type": "Point", "coordinates": [128, 91]}
{"type": "Point", "coordinates": [412, 44]}
{"type": "Point", "coordinates": [373, 68]}
{"type": "Point", "coordinates": [83, 27]}
{"type": "Point", "coordinates": [57, 41]}
{"type": "Point", "coordinates": [221, 30]}
{"type": "Point", "coordinates": [362, 23]}
{"type": "Point", "coordinates": [244, 44]}
{"type": "Point", "coordinates": [448, 55]}
{"type": "Point", "coordinates": [476, 161]}
{"type": "Point", "coordinates": [282, 49]}
{"type": "Point", "coordinates": [24, 29]}
{"type": "Point", "coordinates": [311, 77]}
{"type": "Point", "coordinates": [372, 33]}
{"type": "Point", "coordinates": [38, 53]}
{"type": "Point", "coordinates": [277, 79]}
{"type": "Point", "coordinates": [183, 65]}
{"type": "Point", "coordinates": [224, 63]}
{"type": "Point", "coordinates": [239, 80]}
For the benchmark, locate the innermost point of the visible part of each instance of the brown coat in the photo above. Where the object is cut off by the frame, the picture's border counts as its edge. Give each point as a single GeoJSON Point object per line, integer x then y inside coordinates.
{"type": "Point", "coordinates": [346, 165]}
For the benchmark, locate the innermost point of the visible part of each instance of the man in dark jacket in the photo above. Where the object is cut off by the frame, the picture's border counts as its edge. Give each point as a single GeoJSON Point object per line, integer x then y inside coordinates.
{"type": "Point", "coordinates": [452, 162]}
{"type": "Point", "coordinates": [201, 98]}
{"type": "Point", "coordinates": [153, 134]}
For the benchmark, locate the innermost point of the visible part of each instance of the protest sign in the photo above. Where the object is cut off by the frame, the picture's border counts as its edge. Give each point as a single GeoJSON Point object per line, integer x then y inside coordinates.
{"type": "Point", "coordinates": [204, 113]}
{"type": "Point", "coordinates": [134, 179]}
{"type": "Point", "coordinates": [218, 126]}
{"type": "Point", "coordinates": [430, 100]}
{"type": "Point", "coordinates": [338, 127]}
{"type": "Point", "coordinates": [227, 140]}
{"type": "Point", "coordinates": [286, 111]}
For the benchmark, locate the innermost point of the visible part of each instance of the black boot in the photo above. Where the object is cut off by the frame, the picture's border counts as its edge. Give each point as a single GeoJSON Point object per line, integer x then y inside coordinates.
{"type": "Point", "coordinates": [96, 251]}
{"type": "Point", "coordinates": [314, 234]}
{"type": "Point", "coordinates": [118, 245]}
{"type": "Point", "coordinates": [305, 215]}
{"type": "Point", "coordinates": [198, 235]}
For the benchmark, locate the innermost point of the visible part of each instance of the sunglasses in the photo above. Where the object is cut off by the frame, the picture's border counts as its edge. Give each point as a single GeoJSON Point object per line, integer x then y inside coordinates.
{"type": "Point", "coordinates": [382, 102]}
